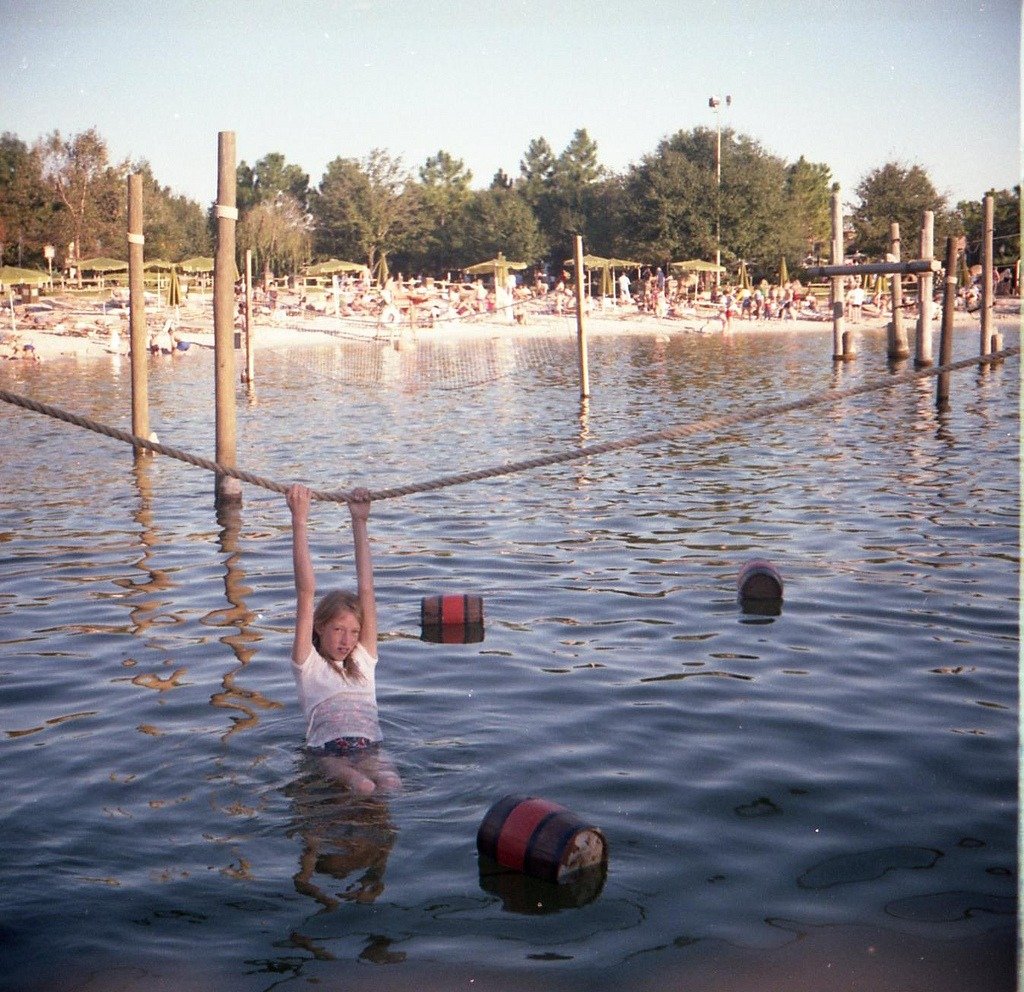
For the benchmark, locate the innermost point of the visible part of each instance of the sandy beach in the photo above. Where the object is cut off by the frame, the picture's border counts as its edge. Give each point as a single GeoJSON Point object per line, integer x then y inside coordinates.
{"type": "Point", "coordinates": [64, 328]}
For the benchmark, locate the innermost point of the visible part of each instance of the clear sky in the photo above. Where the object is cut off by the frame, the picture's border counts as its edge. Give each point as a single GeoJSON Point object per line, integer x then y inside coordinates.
{"type": "Point", "coordinates": [851, 83]}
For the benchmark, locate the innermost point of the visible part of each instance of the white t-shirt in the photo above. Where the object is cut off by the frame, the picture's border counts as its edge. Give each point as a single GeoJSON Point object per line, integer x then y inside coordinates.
{"type": "Point", "coordinates": [336, 705]}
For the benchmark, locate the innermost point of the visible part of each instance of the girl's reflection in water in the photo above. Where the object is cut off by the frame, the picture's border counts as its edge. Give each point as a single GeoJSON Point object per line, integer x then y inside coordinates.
{"type": "Point", "coordinates": [345, 837]}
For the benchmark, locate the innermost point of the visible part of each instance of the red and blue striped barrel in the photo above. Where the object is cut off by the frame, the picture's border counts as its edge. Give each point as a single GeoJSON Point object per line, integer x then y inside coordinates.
{"type": "Point", "coordinates": [540, 838]}
{"type": "Point", "coordinates": [452, 619]}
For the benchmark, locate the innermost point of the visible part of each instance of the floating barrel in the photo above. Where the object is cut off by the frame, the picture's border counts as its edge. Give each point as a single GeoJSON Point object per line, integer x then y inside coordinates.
{"type": "Point", "coordinates": [452, 619]}
{"type": "Point", "coordinates": [540, 838]}
{"type": "Point", "coordinates": [759, 579]}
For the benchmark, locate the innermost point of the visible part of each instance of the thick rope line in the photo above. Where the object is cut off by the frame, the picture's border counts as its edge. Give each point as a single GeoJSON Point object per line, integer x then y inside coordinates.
{"type": "Point", "coordinates": [585, 451]}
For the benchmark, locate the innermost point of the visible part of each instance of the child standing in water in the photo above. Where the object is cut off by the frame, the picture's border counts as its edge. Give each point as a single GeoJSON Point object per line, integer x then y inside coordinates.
{"type": "Point", "coordinates": [334, 657]}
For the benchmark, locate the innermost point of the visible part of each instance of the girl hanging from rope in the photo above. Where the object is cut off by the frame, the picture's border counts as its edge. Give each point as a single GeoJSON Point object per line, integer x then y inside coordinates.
{"type": "Point", "coordinates": [334, 657]}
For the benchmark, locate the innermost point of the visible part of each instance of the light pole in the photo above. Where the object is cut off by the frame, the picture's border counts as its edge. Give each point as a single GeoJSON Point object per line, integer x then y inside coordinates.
{"type": "Point", "coordinates": [714, 103]}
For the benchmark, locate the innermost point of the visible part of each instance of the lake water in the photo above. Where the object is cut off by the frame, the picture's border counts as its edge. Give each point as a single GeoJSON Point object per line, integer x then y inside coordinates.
{"type": "Point", "coordinates": [822, 798]}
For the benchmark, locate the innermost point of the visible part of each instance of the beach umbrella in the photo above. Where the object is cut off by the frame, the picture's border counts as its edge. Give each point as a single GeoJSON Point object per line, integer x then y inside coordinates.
{"type": "Point", "coordinates": [963, 272]}
{"type": "Point", "coordinates": [11, 275]}
{"type": "Point", "coordinates": [591, 262]}
{"type": "Point", "coordinates": [495, 265]}
{"type": "Point", "coordinates": [333, 266]}
{"type": "Point", "coordinates": [498, 267]}
{"type": "Point", "coordinates": [174, 290]}
{"type": "Point", "coordinates": [198, 264]}
{"type": "Point", "coordinates": [783, 272]}
{"type": "Point", "coordinates": [161, 264]}
{"type": "Point", "coordinates": [696, 265]}
{"type": "Point", "coordinates": [103, 264]}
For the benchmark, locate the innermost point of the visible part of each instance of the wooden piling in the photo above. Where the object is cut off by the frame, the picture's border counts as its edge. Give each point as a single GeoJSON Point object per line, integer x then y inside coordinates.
{"type": "Point", "coordinates": [138, 335]}
{"type": "Point", "coordinates": [840, 341]}
{"type": "Point", "coordinates": [925, 288]}
{"type": "Point", "coordinates": [899, 348]}
{"type": "Point", "coordinates": [227, 488]}
{"type": "Point", "coordinates": [581, 330]}
{"type": "Point", "coordinates": [987, 277]}
{"type": "Point", "coordinates": [948, 308]}
{"type": "Point", "coordinates": [250, 361]}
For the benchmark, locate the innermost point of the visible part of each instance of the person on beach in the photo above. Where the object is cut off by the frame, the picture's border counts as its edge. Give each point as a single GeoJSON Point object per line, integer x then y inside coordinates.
{"type": "Point", "coordinates": [334, 658]}
{"type": "Point", "coordinates": [727, 304]}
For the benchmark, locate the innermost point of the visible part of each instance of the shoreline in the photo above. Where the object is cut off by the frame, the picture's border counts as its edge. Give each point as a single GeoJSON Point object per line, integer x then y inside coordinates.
{"type": "Point", "coordinates": [68, 331]}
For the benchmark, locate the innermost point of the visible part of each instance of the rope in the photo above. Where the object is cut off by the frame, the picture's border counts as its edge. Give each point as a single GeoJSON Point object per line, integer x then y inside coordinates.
{"type": "Point", "coordinates": [511, 468]}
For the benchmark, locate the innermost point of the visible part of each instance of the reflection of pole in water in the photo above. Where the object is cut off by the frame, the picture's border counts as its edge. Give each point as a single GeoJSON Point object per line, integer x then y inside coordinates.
{"type": "Point", "coordinates": [234, 697]}
{"type": "Point", "coordinates": [582, 465]}
{"type": "Point", "coordinates": [144, 613]}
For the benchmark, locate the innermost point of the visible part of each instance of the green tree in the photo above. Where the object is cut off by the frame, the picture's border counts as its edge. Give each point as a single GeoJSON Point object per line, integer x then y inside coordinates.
{"type": "Point", "coordinates": [26, 206]}
{"type": "Point", "coordinates": [91, 191]}
{"type": "Point", "coordinates": [365, 209]}
{"type": "Point", "coordinates": [668, 204]}
{"type": "Point", "coordinates": [808, 207]}
{"type": "Point", "coordinates": [498, 219]}
{"type": "Point", "coordinates": [278, 233]}
{"type": "Point", "coordinates": [443, 194]}
{"type": "Point", "coordinates": [895, 192]}
{"type": "Point", "coordinates": [270, 176]}
{"type": "Point", "coordinates": [969, 219]}
{"type": "Point", "coordinates": [569, 206]}
{"type": "Point", "coordinates": [175, 226]}
{"type": "Point", "coordinates": [536, 173]}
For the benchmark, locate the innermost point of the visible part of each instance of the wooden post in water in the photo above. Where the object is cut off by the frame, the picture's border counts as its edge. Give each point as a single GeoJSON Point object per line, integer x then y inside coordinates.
{"type": "Point", "coordinates": [227, 488]}
{"type": "Point", "coordinates": [948, 308]}
{"type": "Point", "coordinates": [250, 371]}
{"type": "Point", "coordinates": [842, 350]}
{"type": "Point", "coordinates": [925, 287]}
{"type": "Point", "coordinates": [898, 346]}
{"type": "Point", "coordinates": [991, 341]}
{"type": "Point", "coordinates": [581, 331]}
{"type": "Point", "coordinates": [138, 335]}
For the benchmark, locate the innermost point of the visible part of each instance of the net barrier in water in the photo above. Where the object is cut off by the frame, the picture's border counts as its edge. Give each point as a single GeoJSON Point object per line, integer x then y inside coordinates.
{"type": "Point", "coordinates": [741, 417]}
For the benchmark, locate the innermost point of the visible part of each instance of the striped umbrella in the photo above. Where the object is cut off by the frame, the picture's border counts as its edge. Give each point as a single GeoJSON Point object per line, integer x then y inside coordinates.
{"type": "Point", "coordinates": [174, 289]}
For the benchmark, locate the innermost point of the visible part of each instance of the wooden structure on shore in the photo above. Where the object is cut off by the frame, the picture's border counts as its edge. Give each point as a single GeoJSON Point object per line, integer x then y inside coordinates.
{"type": "Point", "coordinates": [925, 269]}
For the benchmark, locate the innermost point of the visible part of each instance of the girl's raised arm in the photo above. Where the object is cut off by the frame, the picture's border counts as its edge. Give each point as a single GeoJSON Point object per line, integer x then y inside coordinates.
{"type": "Point", "coordinates": [305, 582]}
{"type": "Point", "coordinates": [359, 507]}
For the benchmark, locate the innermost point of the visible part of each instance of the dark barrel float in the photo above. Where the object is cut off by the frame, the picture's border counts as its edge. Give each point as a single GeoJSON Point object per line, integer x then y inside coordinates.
{"type": "Point", "coordinates": [452, 619]}
{"type": "Point", "coordinates": [759, 588]}
{"type": "Point", "coordinates": [540, 838]}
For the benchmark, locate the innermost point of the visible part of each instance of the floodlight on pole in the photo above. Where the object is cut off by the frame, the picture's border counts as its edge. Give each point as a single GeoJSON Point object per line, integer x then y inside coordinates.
{"type": "Point", "coordinates": [714, 103]}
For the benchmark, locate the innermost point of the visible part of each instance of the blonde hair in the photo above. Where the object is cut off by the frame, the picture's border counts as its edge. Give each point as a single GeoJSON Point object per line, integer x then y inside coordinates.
{"type": "Point", "coordinates": [332, 605]}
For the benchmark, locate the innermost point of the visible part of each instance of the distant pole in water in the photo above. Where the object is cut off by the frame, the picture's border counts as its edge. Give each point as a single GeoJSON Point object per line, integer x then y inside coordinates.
{"type": "Point", "coordinates": [139, 337]}
{"type": "Point", "coordinates": [925, 285]}
{"type": "Point", "coordinates": [989, 342]}
{"type": "Point", "coordinates": [227, 488]}
{"type": "Point", "coordinates": [250, 371]}
{"type": "Point", "coordinates": [898, 346]}
{"type": "Point", "coordinates": [948, 306]}
{"type": "Point", "coordinates": [581, 331]}
{"type": "Point", "coordinates": [841, 351]}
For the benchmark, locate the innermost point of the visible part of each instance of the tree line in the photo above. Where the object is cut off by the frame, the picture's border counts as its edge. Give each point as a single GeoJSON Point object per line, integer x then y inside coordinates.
{"type": "Point", "coordinates": [374, 210]}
